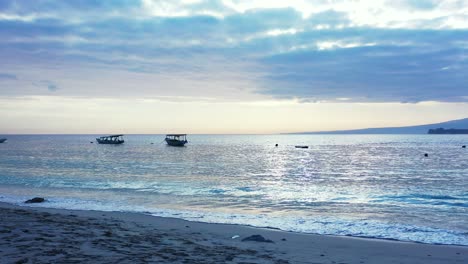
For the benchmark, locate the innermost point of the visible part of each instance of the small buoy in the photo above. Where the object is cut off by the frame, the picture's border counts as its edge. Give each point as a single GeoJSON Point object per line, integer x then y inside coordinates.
{"type": "Point", "coordinates": [91, 142]}
{"type": "Point", "coordinates": [426, 155]}
{"type": "Point", "coordinates": [276, 145]}
{"type": "Point", "coordinates": [464, 146]}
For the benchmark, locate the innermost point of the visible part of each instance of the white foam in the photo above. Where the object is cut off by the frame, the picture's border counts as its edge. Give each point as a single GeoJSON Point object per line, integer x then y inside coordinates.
{"type": "Point", "coordinates": [323, 225]}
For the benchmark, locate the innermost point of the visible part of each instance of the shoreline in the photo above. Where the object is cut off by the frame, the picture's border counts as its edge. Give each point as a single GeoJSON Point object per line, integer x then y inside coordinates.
{"type": "Point", "coordinates": [41, 235]}
{"type": "Point", "coordinates": [179, 215]}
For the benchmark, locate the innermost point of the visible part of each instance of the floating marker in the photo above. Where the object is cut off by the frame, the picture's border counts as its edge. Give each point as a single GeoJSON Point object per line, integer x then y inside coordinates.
{"type": "Point", "coordinates": [426, 155]}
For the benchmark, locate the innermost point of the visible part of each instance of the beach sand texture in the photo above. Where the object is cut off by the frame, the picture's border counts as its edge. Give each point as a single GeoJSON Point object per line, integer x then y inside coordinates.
{"type": "Point", "coordinates": [42, 235]}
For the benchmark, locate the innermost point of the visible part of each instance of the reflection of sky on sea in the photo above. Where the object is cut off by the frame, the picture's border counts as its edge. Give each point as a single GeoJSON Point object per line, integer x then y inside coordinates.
{"type": "Point", "coordinates": [380, 180]}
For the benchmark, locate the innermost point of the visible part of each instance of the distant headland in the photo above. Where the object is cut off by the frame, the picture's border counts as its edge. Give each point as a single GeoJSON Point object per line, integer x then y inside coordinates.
{"type": "Point", "coordinates": [447, 131]}
{"type": "Point", "coordinates": [458, 126]}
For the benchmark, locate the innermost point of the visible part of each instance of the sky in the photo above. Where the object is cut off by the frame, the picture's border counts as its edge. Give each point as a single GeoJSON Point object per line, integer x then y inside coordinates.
{"type": "Point", "coordinates": [230, 66]}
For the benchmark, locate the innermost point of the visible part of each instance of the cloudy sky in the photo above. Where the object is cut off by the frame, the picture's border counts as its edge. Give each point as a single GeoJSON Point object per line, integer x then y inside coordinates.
{"type": "Point", "coordinates": [230, 66]}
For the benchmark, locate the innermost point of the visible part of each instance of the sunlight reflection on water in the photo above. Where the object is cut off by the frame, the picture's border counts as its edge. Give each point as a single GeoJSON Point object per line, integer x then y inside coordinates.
{"type": "Point", "coordinates": [382, 180]}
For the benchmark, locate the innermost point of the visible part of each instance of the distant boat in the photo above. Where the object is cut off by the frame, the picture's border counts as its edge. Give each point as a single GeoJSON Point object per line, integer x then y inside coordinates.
{"type": "Point", "coordinates": [112, 139]}
{"type": "Point", "coordinates": [176, 140]}
{"type": "Point", "coordinates": [2, 140]}
{"type": "Point", "coordinates": [301, 146]}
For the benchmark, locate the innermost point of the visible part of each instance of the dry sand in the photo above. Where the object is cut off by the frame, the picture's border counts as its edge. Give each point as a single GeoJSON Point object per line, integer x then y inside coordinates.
{"type": "Point", "coordinates": [42, 235]}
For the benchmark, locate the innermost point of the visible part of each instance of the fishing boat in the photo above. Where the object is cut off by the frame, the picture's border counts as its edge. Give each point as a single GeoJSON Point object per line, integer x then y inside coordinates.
{"type": "Point", "coordinates": [112, 139]}
{"type": "Point", "coordinates": [2, 140]}
{"type": "Point", "coordinates": [176, 140]}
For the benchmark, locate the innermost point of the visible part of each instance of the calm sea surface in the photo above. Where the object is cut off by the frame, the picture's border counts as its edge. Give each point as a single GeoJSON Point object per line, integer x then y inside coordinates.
{"type": "Point", "coordinates": [378, 186]}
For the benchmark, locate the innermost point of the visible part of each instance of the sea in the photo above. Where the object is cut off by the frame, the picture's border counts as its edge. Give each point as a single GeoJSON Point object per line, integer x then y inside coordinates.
{"type": "Point", "coordinates": [372, 186]}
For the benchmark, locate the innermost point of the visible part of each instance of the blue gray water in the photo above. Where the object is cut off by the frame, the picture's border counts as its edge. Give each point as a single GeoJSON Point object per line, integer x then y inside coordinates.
{"type": "Point", "coordinates": [377, 186]}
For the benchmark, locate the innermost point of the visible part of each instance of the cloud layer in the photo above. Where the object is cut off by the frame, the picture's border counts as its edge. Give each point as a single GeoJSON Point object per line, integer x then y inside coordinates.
{"type": "Point", "coordinates": [365, 51]}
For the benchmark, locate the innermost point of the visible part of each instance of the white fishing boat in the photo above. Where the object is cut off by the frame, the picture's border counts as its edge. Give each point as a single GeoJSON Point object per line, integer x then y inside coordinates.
{"type": "Point", "coordinates": [176, 140]}
{"type": "Point", "coordinates": [112, 139]}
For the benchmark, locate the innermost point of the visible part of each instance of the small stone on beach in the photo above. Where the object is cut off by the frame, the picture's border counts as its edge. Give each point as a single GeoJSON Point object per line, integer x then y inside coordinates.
{"type": "Point", "coordinates": [257, 238]}
{"type": "Point", "coordinates": [21, 261]}
{"type": "Point", "coordinates": [35, 200]}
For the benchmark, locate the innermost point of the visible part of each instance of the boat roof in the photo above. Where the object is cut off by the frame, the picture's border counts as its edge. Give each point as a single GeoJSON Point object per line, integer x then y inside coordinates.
{"type": "Point", "coordinates": [175, 135]}
{"type": "Point", "coordinates": [113, 136]}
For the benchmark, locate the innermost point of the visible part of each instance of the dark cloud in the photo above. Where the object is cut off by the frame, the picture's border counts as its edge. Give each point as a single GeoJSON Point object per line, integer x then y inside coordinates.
{"type": "Point", "coordinates": [52, 87]}
{"type": "Point", "coordinates": [294, 58]}
{"type": "Point", "coordinates": [7, 76]}
{"type": "Point", "coordinates": [369, 74]}
{"type": "Point", "coordinates": [41, 84]}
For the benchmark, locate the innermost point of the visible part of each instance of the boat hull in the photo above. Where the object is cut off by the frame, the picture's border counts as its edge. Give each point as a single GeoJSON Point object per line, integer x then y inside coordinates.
{"type": "Point", "coordinates": [2, 140]}
{"type": "Point", "coordinates": [176, 143]}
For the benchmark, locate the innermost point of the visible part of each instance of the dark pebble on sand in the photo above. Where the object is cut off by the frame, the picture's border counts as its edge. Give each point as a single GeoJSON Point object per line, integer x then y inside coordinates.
{"type": "Point", "coordinates": [257, 238]}
{"type": "Point", "coordinates": [21, 261]}
{"type": "Point", "coordinates": [35, 200]}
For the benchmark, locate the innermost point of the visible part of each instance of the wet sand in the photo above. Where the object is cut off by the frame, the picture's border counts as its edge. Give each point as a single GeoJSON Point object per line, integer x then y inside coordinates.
{"type": "Point", "coordinates": [42, 235]}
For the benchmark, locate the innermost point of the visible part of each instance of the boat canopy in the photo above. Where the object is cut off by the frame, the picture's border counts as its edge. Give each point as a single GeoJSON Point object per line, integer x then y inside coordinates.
{"type": "Point", "coordinates": [112, 136]}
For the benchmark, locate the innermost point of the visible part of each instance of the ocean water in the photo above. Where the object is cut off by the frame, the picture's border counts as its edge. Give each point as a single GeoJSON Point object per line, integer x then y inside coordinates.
{"type": "Point", "coordinates": [378, 186]}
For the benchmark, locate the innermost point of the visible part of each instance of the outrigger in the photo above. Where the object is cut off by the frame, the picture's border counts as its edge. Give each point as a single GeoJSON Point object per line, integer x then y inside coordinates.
{"type": "Point", "coordinates": [112, 139]}
{"type": "Point", "coordinates": [176, 140]}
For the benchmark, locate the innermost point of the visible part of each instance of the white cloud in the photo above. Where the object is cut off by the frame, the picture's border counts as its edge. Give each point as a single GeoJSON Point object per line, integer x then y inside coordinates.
{"type": "Point", "coordinates": [189, 54]}
{"type": "Point", "coordinates": [374, 13]}
{"type": "Point", "coordinates": [340, 44]}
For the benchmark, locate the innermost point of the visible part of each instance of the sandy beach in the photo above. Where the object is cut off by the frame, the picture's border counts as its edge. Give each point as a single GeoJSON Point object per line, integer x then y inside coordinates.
{"type": "Point", "coordinates": [43, 235]}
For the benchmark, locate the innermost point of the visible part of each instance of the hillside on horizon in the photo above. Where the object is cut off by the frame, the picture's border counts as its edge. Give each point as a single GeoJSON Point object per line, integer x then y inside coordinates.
{"type": "Point", "coordinates": [419, 129]}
